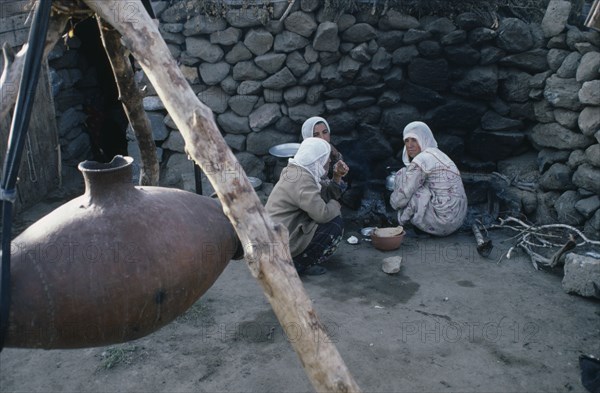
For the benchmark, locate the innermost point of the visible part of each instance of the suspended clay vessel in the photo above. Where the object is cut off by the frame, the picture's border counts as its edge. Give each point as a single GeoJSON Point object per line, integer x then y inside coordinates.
{"type": "Point", "coordinates": [116, 263]}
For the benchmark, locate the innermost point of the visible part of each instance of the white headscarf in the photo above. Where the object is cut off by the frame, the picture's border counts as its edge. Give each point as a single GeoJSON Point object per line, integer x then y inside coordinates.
{"type": "Point", "coordinates": [421, 132]}
{"type": "Point", "coordinates": [312, 156]}
{"type": "Point", "coordinates": [309, 126]}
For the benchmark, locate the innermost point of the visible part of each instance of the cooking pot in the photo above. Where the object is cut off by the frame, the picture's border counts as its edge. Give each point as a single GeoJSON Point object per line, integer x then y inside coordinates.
{"type": "Point", "coordinates": [255, 182]}
{"type": "Point", "coordinates": [390, 180]}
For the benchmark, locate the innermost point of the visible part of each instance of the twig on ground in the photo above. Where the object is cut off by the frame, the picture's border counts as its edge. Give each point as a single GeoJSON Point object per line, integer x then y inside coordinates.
{"type": "Point", "coordinates": [546, 237]}
{"type": "Point", "coordinates": [569, 245]}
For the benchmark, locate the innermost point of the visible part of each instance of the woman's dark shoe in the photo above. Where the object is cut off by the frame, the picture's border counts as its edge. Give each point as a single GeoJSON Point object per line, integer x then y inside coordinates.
{"type": "Point", "coordinates": [314, 270]}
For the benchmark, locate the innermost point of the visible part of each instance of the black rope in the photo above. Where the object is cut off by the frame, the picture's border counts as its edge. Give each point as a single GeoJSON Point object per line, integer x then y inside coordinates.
{"type": "Point", "coordinates": [16, 143]}
{"type": "Point", "coordinates": [148, 6]}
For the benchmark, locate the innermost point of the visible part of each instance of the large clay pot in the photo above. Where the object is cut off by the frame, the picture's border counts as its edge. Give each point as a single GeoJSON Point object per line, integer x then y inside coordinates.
{"type": "Point", "coordinates": [116, 263]}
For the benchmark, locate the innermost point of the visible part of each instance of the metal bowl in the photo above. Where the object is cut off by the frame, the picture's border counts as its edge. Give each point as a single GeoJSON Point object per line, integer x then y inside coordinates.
{"type": "Point", "coordinates": [367, 231]}
{"type": "Point", "coordinates": [285, 150]}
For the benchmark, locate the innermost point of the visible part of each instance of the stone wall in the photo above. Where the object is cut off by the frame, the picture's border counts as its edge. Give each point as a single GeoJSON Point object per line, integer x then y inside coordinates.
{"type": "Point", "coordinates": [90, 119]}
{"type": "Point", "coordinates": [567, 107]}
{"type": "Point", "coordinates": [501, 95]}
{"type": "Point", "coordinates": [68, 80]}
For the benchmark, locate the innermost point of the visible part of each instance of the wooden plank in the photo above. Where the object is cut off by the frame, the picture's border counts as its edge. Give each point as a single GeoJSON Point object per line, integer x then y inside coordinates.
{"type": "Point", "coordinates": [38, 173]}
{"type": "Point", "coordinates": [593, 18]}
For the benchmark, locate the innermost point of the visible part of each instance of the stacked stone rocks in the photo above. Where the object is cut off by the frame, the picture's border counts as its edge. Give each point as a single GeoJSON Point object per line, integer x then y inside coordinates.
{"type": "Point", "coordinates": [84, 120]}
{"type": "Point", "coordinates": [490, 90]}
{"type": "Point", "coordinates": [368, 75]}
{"type": "Point", "coordinates": [67, 77]}
{"type": "Point", "coordinates": [567, 108]}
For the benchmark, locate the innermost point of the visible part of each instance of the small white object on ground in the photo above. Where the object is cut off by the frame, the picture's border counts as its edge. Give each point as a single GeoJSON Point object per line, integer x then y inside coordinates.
{"type": "Point", "coordinates": [391, 265]}
{"type": "Point", "coordinates": [352, 240]}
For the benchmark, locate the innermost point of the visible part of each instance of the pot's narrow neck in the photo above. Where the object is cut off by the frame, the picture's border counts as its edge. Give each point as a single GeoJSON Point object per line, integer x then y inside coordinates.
{"type": "Point", "coordinates": [103, 179]}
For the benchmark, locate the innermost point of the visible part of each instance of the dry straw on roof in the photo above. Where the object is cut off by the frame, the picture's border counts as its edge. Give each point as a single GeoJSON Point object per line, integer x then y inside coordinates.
{"type": "Point", "coordinates": [526, 9]}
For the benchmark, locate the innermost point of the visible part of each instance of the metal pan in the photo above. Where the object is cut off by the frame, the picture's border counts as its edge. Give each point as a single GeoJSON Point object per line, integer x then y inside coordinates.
{"type": "Point", "coordinates": [285, 150]}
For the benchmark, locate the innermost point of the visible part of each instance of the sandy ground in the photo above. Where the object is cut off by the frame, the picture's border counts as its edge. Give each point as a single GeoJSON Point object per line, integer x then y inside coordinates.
{"type": "Point", "coordinates": [449, 321]}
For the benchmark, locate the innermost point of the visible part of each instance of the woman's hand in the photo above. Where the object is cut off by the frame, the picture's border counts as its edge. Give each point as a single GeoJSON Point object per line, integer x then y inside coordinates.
{"type": "Point", "coordinates": [340, 169]}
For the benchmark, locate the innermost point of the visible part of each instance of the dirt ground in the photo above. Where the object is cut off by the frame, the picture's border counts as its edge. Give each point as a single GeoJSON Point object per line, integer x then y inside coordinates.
{"type": "Point", "coordinates": [449, 321]}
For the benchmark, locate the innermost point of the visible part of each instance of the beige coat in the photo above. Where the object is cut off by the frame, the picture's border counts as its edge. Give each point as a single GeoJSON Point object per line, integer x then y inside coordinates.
{"type": "Point", "coordinates": [296, 203]}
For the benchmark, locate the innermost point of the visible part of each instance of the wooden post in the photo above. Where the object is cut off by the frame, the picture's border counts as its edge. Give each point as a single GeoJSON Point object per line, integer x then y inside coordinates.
{"type": "Point", "coordinates": [593, 18]}
{"type": "Point", "coordinates": [132, 101]}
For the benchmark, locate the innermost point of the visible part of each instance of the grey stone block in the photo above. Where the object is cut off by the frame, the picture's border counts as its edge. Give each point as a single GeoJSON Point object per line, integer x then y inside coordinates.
{"type": "Point", "coordinates": [582, 275]}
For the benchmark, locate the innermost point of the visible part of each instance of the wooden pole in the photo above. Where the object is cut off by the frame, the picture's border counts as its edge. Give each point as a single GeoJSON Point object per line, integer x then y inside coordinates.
{"type": "Point", "coordinates": [265, 244]}
{"type": "Point", "coordinates": [132, 101]}
{"type": "Point", "coordinates": [593, 17]}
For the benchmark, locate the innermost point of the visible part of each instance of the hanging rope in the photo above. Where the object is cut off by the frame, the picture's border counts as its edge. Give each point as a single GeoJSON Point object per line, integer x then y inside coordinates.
{"type": "Point", "coordinates": [16, 143]}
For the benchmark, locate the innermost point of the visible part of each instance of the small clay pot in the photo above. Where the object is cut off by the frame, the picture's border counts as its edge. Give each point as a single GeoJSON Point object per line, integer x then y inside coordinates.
{"type": "Point", "coordinates": [385, 242]}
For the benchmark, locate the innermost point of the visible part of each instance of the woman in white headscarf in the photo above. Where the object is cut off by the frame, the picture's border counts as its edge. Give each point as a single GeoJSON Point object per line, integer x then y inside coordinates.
{"type": "Point", "coordinates": [315, 227]}
{"type": "Point", "coordinates": [428, 192]}
{"type": "Point", "coordinates": [332, 184]}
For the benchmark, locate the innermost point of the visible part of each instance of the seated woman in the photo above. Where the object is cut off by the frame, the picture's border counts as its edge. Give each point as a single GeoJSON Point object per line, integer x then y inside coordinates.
{"type": "Point", "coordinates": [332, 188]}
{"type": "Point", "coordinates": [429, 192]}
{"type": "Point", "coordinates": [315, 227]}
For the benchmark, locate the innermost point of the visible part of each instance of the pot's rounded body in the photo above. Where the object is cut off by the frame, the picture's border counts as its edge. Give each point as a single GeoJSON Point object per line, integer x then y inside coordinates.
{"type": "Point", "coordinates": [114, 264]}
{"type": "Point", "coordinates": [390, 181]}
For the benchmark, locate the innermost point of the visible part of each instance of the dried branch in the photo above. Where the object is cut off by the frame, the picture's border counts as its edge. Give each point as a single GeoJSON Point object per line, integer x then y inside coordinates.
{"type": "Point", "coordinates": [536, 258]}
{"type": "Point", "coordinates": [535, 236]}
{"type": "Point", "coordinates": [287, 11]}
{"type": "Point", "coordinates": [540, 228]}
{"type": "Point", "coordinates": [569, 245]}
